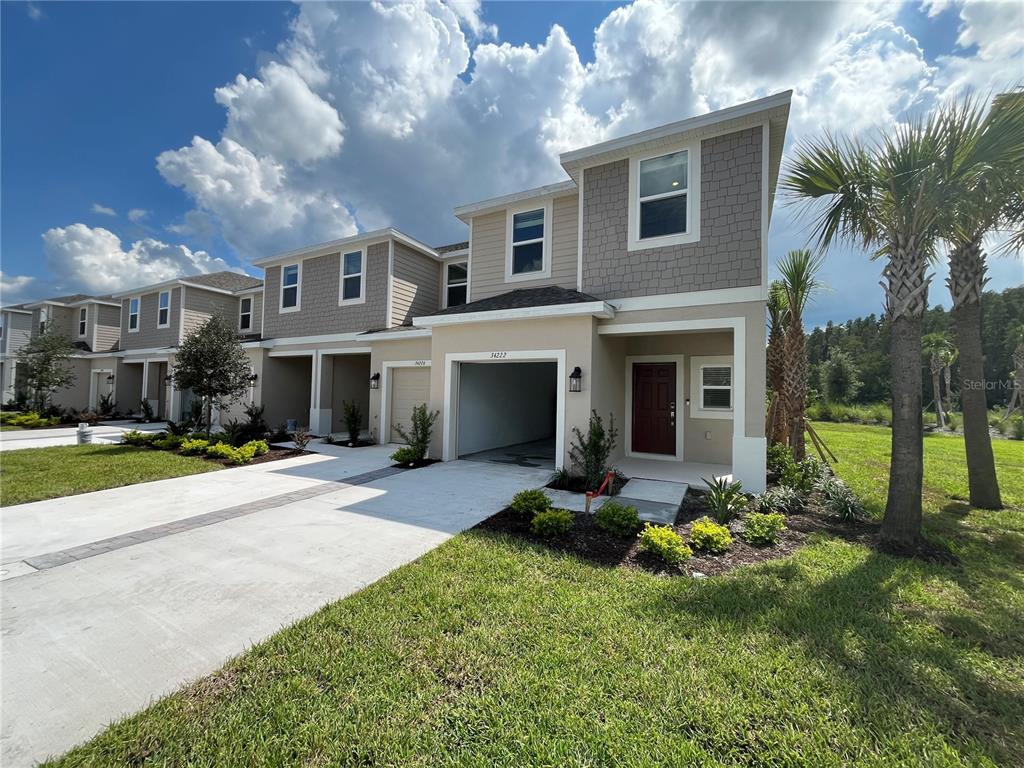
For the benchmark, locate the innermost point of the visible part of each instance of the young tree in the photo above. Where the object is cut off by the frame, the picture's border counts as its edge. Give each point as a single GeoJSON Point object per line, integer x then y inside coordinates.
{"type": "Point", "coordinates": [212, 364]}
{"type": "Point", "coordinates": [778, 424]}
{"type": "Point", "coordinates": [839, 378]}
{"type": "Point", "coordinates": [939, 351]}
{"type": "Point", "coordinates": [44, 361]}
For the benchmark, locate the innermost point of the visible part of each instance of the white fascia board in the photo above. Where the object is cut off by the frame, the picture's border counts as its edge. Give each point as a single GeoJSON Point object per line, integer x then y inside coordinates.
{"type": "Point", "coordinates": [245, 291]}
{"type": "Point", "coordinates": [418, 333]}
{"type": "Point", "coordinates": [449, 255]}
{"type": "Point", "coordinates": [83, 302]}
{"type": "Point", "coordinates": [363, 237]}
{"type": "Point", "coordinates": [595, 308]}
{"type": "Point", "coordinates": [746, 109]}
{"type": "Point", "coordinates": [209, 288]}
{"type": "Point", "coordinates": [466, 212]}
{"type": "Point", "coordinates": [17, 311]}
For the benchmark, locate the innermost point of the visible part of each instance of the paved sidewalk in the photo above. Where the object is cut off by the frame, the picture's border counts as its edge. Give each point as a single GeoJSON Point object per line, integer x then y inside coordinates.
{"type": "Point", "coordinates": [92, 640]}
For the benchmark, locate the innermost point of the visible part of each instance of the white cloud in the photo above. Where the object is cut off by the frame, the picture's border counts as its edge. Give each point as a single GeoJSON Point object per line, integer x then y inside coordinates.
{"type": "Point", "coordinates": [137, 214]}
{"type": "Point", "coordinates": [103, 210]}
{"type": "Point", "coordinates": [34, 11]}
{"type": "Point", "coordinates": [92, 260]}
{"type": "Point", "coordinates": [279, 115]}
{"type": "Point", "coordinates": [998, 60]}
{"type": "Point", "coordinates": [13, 287]}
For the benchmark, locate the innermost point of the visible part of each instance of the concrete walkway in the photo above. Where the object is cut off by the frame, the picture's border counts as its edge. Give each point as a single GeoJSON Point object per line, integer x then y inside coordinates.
{"type": "Point", "coordinates": [90, 640]}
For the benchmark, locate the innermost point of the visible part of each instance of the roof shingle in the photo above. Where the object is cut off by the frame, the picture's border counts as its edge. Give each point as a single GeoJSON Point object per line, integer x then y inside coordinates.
{"type": "Point", "coordinates": [225, 280]}
{"type": "Point", "coordinates": [521, 298]}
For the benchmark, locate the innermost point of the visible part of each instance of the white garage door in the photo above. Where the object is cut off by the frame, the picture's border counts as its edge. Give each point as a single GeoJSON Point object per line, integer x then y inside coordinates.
{"type": "Point", "coordinates": [409, 387]}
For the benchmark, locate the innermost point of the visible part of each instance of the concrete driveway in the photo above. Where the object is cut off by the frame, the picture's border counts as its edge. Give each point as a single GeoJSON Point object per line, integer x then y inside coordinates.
{"type": "Point", "coordinates": [195, 570]}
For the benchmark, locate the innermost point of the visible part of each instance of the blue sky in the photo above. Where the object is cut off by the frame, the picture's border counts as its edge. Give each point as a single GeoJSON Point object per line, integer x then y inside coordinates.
{"type": "Point", "coordinates": [395, 117]}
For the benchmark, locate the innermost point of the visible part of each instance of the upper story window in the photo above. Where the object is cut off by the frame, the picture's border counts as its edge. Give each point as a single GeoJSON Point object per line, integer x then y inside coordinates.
{"type": "Point", "coordinates": [663, 199]}
{"type": "Point", "coordinates": [352, 269]}
{"type": "Point", "coordinates": [83, 317]}
{"type": "Point", "coordinates": [245, 313]}
{"type": "Point", "coordinates": [163, 310]}
{"type": "Point", "coordinates": [290, 287]}
{"type": "Point", "coordinates": [529, 243]}
{"type": "Point", "coordinates": [133, 315]}
{"type": "Point", "coordinates": [456, 283]}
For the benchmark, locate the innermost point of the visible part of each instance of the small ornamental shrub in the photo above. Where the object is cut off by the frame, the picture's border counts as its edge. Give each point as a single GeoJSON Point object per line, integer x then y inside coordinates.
{"type": "Point", "coordinates": [193, 447]}
{"type": "Point", "coordinates": [788, 501]}
{"type": "Point", "coordinates": [134, 437]}
{"type": "Point", "coordinates": [168, 442]}
{"type": "Point", "coordinates": [617, 519]}
{"type": "Point", "coordinates": [301, 438]}
{"type": "Point", "coordinates": [107, 406]}
{"type": "Point", "coordinates": [663, 542]}
{"type": "Point", "coordinates": [526, 504]}
{"type": "Point", "coordinates": [85, 417]}
{"type": "Point", "coordinates": [404, 455]}
{"type": "Point", "coordinates": [708, 536]}
{"type": "Point", "coordinates": [222, 451]}
{"type": "Point", "coordinates": [418, 437]}
{"type": "Point", "coordinates": [724, 499]}
{"type": "Point", "coordinates": [839, 499]}
{"type": "Point", "coordinates": [146, 411]}
{"type": "Point", "coordinates": [260, 447]}
{"type": "Point", "coordinates": [763, 528]}
{"type": "Point", "coordinates": [353, 418]}
{"type": "Point", "coordinates": [589, 453]}
{"type": "Point", "coordinates": [550, 523]}
{"type": "Point", "coordinates": [31, 419]}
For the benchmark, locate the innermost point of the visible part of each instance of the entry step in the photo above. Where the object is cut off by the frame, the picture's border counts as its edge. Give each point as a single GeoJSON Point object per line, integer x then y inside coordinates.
{"type": "Point", "coordinates": [655, 490]}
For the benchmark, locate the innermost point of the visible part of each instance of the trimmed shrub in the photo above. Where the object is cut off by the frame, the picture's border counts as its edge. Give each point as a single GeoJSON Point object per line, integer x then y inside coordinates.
{"type": "Point", "coordinates": [763, 528]}
{"type": "Point", "coordinates": [405, 455]}
{"type": "Point", "coordinates": [708, 536]}
{"type": "Point", "coordinates": [301, 438]}
{"type": "Point", "coordinates": [418, 437]}
{"type": "Point", "coordinates": [723, 499]}
{"type": "Point", "coordinates": [192, 447]}
{"type": "Point", "coordinates": [222, 451]}
{"type": "Point", "coordinates": [788, 501]}
{"type": "Point", "coordinates": [30, 420]}
{"type": "Point", "coordinates": [617, 519]}
{"type": "Point", "coordinates": [353, 418]}
{"type": "Point", "coordinates": [589, 453]}
{"type": "Point", "coordinates": [241, 455]}
{"type": "Point", "coordinates": [663, 542]}
{"type": "Point", "coordinates": [839, 499]}
{"type": "Point", "coordinates": [259, 447]}
{"type": "Point", "coordinates": [168, 442]}
{"type": "Point", "coordinates": [134, 437]}
{"type": "Point", "coordinates": [529, 503]}
{"type": "Point", "coordinates": [550, 523]}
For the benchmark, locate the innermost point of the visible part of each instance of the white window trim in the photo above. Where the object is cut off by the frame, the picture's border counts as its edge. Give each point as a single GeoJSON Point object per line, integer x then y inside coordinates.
{"type": "Point", "coordinates": [361, 298]}
{"type": "Point", "coordinates": [83, 322]}
{"type": "Point", "coordinates": [281, 308]}
{"type": "Point", "coordinates": [241, 303]}
{"type": "Point", "coordinates": [167, 323]}
{"type": "Point", "coordinates": [697, 365]}
{"type": "Point", "coordinates": [445, 287]}
{"type": "Point", "coordinates": [137, 313]}
{"type": "Point", "coordinates": [692, 234]}
{"type": "Point", "coordinates": [678, 361]}
{"type": "Point", "coordinates": [510, 214]}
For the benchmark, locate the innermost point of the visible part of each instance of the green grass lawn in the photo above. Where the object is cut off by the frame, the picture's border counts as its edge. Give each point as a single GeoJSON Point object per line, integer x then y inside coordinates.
{"type": "Point", "coordinates": [33, 474]}
{"type": "Point", "coordinates": [491, 651]}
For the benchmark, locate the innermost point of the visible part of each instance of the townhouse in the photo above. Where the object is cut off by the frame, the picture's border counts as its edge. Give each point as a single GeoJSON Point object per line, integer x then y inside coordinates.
{"type": "Point", "coordinates": [634, 288]}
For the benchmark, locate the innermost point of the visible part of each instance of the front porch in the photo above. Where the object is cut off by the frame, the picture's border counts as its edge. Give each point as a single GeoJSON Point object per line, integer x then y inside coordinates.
{"type": "Point", "coordinates": [692, 473]}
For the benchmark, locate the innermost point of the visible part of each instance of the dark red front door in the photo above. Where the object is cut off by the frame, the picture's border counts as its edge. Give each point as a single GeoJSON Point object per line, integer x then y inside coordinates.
{"type": "Point", "coordinates": [654, 408]}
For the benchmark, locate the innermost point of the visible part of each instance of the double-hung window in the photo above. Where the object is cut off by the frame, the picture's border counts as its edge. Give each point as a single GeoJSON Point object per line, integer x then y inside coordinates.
{"type": "Point", "coordinates": [133, 314]}
{"type": "Point", "coordinates": [163, 310]}
{"type": "Point", "coordinates": [456, 283]}
{"type": "Point", "coordinates": [716, 387]}
{"type": "Point", "coordinates": [245, 313]}
{"type": "Point", "coordinates": [83, 316]}
{"type": "Point", "coordinates": [528, 243]}
{"type": "Point", "coordinates": [290, 287]}
{"type": "Point", "coordinates": [351, 291]}
{"type": "Point", "coordinates": [663, 204]}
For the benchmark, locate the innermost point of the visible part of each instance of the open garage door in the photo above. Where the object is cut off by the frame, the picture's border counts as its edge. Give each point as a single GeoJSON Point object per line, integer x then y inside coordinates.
{"type": "Point", "coordinates": [507, 412]}
{"type": "Point", "coordinates": [409, 387]}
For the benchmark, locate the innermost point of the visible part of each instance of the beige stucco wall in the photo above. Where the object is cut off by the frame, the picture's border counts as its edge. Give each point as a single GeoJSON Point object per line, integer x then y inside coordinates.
{"type": "Point", "coordinates": [285, 389]}
{"type": "Point", "coordinates": [348, 379]}
{"type": "Point", "coordinates": [76, 396]}
{"type": "Point", "coordinates": [391, 351]}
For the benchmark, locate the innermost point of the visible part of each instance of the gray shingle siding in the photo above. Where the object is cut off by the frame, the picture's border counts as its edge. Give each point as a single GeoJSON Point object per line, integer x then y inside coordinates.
{"type": "Point", "coordinates": [108, 326]}
{"type": "Point", "coordinates": [148, 335]}
{"type": "Point", "coordinates": [17, 332]}
{"type": "Point", "coordinates": [201, 305]}
{"type": "Point", "coordinates": [415, 285]}
{"type": "Point", "coordinates": [320, 313]}
{"type": "Point", "coordinates": [728, 254]}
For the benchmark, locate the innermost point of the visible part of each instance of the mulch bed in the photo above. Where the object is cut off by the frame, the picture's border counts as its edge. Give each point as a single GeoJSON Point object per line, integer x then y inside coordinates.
{"type": "Point", "coordinates": [578, 484]}
{"type": "Point", "coordinates": [591, 543]}
{"type": "Point", "coordinates": [275, 454]}
{"type": "Point", "coordinates": [347, 444]}
{"type": "Point", "coordinates": [416, 464]}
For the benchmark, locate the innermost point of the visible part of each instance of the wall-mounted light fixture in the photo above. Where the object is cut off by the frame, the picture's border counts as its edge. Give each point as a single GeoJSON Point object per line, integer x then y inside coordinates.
{"type": "Point", "coordinates": [253, 377]}
{"type": "Point", "coordinates": [110, 379]}
{"type": "Point", "coordinates": [576, 380]}
{"type": "Point", "coordinates": [375, 381]}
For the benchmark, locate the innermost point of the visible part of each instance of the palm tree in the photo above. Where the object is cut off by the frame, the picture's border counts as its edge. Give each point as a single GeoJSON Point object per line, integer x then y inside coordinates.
{"type": "Point", "coordinates": [889, 197]}
{"type": "Point", "coordinates": [799, 271]}
{"type": "Point", "coordinates": [940, 353]}
{"type": "Point", "coordinates": [991, 198]}
{"type": "Point", "coordinates": [776, 428]}
{"type": "Point", "coordinates": [949, 356]}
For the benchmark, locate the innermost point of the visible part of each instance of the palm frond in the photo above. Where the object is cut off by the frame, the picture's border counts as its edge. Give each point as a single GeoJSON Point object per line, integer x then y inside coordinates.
{"type": "Point", "coordinates": [799, 270]}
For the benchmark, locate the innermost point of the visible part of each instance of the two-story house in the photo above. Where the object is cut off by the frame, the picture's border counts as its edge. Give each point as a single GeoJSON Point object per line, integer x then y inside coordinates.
{"type": "Point", "coordinates": [635, 288]}
{"type": "Point", "coordinates": [15, 333]}
{"type": "Point", "coordinates": [154, 319]}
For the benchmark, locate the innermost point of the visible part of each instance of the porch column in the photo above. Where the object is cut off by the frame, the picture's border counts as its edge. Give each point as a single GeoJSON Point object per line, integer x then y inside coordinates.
{"type": "Point", "coordinates": [749, 445]}
{"type": "Point", "coordinates": [320, 415]}
{"type": "Point", "coordinates": [145, 384]}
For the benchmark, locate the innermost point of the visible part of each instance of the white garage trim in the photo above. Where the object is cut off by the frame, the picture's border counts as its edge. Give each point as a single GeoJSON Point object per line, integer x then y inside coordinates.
{"type": "Point", "coordinates": [385, 389]}
{"type": "Point", "coordinates": [680, 400]}
{"type": "Point", "coordinates": [451, 392]}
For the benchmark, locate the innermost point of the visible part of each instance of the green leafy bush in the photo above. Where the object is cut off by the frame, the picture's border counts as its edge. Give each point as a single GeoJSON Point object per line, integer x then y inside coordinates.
{"type": "Point", "coordinates": [724, 499]}
{"type": "Point", "coordinates": [1017, 427]}
{"type": "Point", "coordinates": [405, 455]}
{"type": "Point", "coordinates": [550, 523]}
{"type": "Point", "coordinates": [617, 519]}
{"type": "Point", "coordinates": [788, 501]}
{"type": "Point", "coordinates": [194, 446]}
{"type": "Point", "coordinates": [353, 418]}
{"type": "Point", "coordinates": [874, 413]}
{"type": "Point", "coordinates": [663, 542]}
{"type": "Point", "coordinates": [418, 437]}
{"type": "Point", "coordinates": [708, 536]}
{"type": "Point", "coordinates": [241, 455]}
{"type": "Point", "coordinates": [168, 442]}
{"type": "Point", "coordinates": [763, 528]}
{"type": "Point", "coordinates": [29, 420]}
{"type": "Point", "coordinates": [301, 438]}
{"type": "Point", "coordinates": [222, 451]}
{"type": "Point", "coordinates": [589, 453]}
{"type": "Point", "coordinates": [259, 447]}
{"type": "Point", "coordinates": [526, 504]}
{"type": "Point", "coordinates": [839, 499]}
{"type": "Point", "coordinates": [134, 437]}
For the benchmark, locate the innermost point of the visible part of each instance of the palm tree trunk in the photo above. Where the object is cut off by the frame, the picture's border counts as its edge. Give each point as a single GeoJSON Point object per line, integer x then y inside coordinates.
{"type": "Point", "coordinates": [937, 394]}
{"type": "Point", "coordinates": [796, 388]}
{"type": "Point", "coordinates": [902, 522]}
{"type": "Point", "coordinates": [966, 282]}
{"type": "Point", "coordinates": [947, 374]}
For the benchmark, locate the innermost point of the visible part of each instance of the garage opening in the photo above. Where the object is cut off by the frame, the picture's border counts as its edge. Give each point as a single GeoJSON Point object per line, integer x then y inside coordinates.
{"type": "Point", "coordinates": [507, 413]}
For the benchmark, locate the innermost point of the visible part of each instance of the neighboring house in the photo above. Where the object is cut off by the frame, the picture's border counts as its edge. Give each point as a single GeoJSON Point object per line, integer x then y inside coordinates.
{"type": "Point", "coordinates": [15, 332]}
{"type": "Point", "coordinates": [153, 321]}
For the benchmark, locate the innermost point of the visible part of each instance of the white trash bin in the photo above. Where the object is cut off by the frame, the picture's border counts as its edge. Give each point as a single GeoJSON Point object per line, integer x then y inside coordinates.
{"type": "Point", "coordinates": [84, 434]}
